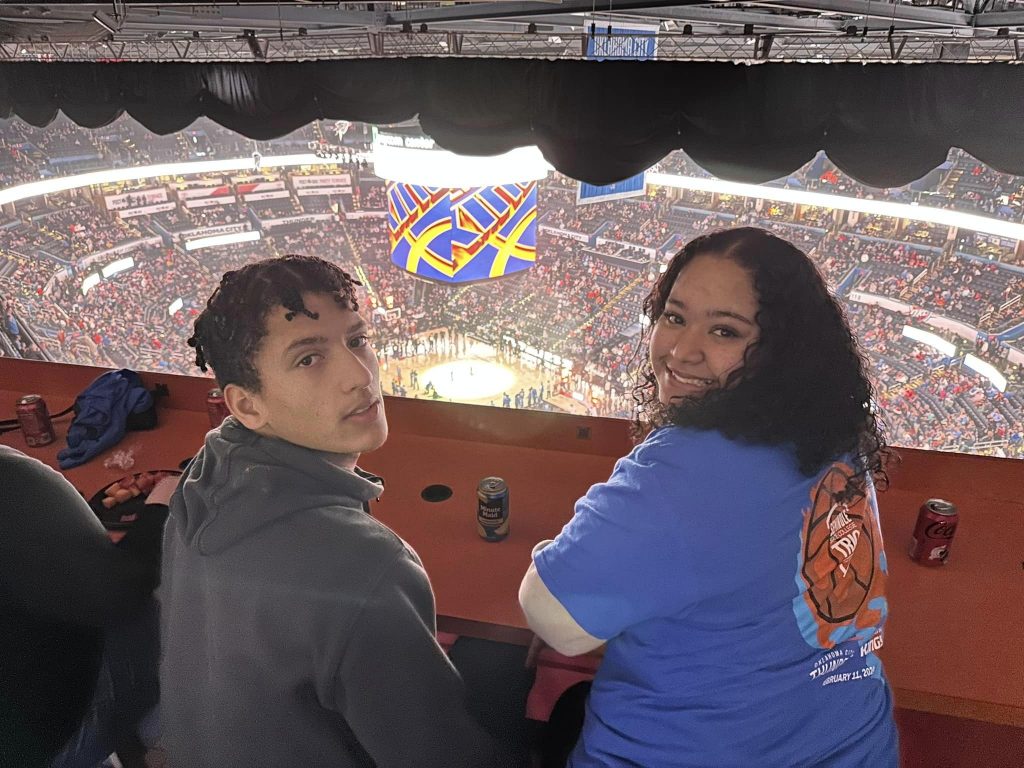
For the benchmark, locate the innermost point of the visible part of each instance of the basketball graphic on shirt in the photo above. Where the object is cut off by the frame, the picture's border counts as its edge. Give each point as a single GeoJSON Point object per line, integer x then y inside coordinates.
{"type": "Point", "coordinates": [840, 568]}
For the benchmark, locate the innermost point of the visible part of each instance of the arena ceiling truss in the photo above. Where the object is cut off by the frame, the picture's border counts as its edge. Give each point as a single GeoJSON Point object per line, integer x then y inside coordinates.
{"type": "Point", "coordinates": [483, 78]}
{"type": "Point", "coordinates": [749, 32]}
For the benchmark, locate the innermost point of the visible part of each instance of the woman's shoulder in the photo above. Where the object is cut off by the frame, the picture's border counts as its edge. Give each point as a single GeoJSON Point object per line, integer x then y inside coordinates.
{"type": "Point", "coordinates": [707, 453]}
{"type": "Point", "coordinates": [674, 439]}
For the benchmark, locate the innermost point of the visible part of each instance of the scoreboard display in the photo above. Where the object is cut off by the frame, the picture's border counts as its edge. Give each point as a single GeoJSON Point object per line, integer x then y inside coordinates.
{"type": "Point", "coordinates": [462, 235]}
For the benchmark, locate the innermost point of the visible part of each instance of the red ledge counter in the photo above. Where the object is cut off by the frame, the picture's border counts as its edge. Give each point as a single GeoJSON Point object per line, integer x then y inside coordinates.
{"type": "Point", "coordinates": [954, 642]}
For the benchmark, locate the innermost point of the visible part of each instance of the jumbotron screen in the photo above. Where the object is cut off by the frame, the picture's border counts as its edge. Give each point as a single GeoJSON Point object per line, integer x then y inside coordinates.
{"type": "Point", "coordinates": [462, 235]}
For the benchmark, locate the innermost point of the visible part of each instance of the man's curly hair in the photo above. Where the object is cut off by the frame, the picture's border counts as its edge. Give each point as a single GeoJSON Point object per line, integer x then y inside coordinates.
{"type": "Point", "coordinates": [228, 333]}
{"type": "Point", "coordinates": [802, 384]}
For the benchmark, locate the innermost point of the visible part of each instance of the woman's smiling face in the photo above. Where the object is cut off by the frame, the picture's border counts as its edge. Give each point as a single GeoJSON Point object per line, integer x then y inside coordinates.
{"type": "Point", "coordinates": [703, 333]}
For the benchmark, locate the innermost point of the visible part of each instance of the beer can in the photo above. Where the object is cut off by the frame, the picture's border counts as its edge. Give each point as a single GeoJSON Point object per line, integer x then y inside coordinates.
{"type": "Point", "coordinates": [35, 422]}
{"type": "Point", "coordinates": [216, 407]}
{"type": "Point", "coordinates": [936, 523]}
{"type": "Point", "coordinates": [492, 509]}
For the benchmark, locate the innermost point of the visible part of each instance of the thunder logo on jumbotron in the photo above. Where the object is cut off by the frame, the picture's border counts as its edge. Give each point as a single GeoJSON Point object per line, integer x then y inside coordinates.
{"type": "Point", "coordinates": [462, 235]}
{"type": "Point", "coordinates": [842, 569]}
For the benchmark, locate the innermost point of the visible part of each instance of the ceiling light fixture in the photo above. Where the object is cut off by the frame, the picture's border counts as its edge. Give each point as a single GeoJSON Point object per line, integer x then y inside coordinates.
{"type": "Point", "coordinates": [105, 21]}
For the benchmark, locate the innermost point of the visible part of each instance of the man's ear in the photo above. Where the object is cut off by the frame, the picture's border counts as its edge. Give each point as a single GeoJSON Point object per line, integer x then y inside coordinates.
{"type": "Point", "coordinates": [245, 406]}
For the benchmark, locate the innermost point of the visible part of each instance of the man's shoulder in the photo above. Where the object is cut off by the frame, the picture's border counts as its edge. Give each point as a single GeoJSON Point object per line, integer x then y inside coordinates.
{"type": "Point", "coordinates": [362, 532]}
{"type": "Point", "coordinates": [340, 535]}
{"type": "Point", "coordinates": [366, 561]}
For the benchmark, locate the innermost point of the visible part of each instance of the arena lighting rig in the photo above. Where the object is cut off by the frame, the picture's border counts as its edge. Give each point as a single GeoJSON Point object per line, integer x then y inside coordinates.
{"type": "Point", "coordinates": [750, 32]}
{"type": "Point", "coordinates": [908, 211]}
{"type": "Point", "coordinates": [112, 176]}
{"type": "Point", "coordinates": [419, 162]}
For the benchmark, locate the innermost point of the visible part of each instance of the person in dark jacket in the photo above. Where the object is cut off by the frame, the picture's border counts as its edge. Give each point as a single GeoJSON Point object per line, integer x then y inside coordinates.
{"type": "Point", "coordinates": [63, 586]}
{"type": "Point", "coordinates": [296, 629]}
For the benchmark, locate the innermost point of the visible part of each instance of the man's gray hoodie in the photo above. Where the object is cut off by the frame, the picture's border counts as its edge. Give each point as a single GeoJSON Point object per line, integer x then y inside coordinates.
{"type": "Point", "coordinates": [297, 630]}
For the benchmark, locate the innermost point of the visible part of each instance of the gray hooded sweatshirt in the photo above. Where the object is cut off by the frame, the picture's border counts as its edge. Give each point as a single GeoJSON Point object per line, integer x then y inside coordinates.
{"type": "Point", "coordinates": [297, 630]}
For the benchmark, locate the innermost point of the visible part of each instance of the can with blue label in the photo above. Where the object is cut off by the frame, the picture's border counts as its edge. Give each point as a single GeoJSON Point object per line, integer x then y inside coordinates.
{"type": "Point", "coordinates": [492, 509]}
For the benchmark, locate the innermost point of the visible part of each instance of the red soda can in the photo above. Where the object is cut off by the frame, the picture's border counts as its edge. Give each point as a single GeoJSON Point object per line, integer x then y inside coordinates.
{"type": "Point", "coordinates": [216, 407]}
{"type": "Point", "coordinates": [933, 533]}
{"type": "Point", "coordinates": [35, 422]}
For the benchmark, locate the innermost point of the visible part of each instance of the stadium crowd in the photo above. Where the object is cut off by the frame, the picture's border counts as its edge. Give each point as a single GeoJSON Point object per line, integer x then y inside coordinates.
{"type": "Point", "coordinates": [574, 315]}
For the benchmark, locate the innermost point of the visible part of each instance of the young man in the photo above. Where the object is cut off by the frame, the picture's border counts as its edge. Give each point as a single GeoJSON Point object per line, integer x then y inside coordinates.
{"type": "Point", "coordinates": [296, 629]}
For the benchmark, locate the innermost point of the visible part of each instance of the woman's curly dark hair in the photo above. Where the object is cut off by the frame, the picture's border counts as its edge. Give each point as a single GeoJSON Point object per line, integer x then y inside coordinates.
{"type": "Point", "coordinates": [803, 383]}
{"type": "Point", "coordinates": [228, 333]}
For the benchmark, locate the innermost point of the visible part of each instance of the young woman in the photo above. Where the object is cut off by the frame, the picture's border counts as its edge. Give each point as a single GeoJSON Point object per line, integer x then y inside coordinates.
{"type": "Point", "coordinates": [733, 562]}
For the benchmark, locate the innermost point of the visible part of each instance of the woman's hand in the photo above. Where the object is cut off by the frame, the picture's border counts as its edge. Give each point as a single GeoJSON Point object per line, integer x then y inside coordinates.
{"type": "Point", "coordinates": [536, 646]}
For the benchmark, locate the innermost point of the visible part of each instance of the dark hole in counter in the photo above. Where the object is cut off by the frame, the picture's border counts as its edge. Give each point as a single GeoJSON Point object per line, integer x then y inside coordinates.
{"type": "Point", "coordinates": [436, 493]}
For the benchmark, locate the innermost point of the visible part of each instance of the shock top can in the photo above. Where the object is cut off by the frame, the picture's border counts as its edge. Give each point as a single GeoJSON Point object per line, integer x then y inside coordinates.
{"type": "Point", "coordinates": [936, 523]}
{"type": "Point", "coordinates": [492, 509]}
{"type": "Point", "coordinates": [35, 422]}
{"type": "Point", "coordinates": [216, 407]}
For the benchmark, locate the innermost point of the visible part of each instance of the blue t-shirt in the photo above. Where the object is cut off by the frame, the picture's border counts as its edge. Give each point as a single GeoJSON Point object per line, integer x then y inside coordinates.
{"type": "Point", "coordinates": [742, 603]}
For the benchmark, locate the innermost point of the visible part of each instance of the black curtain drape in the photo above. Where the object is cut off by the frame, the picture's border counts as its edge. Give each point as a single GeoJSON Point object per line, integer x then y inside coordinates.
{"type": "Point", "coordinates": [883, 124]}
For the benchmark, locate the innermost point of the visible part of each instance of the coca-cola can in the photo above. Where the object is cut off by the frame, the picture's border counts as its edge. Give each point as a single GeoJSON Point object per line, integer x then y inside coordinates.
{"type": "Point", "coordinates": [216, 407]}
{"type": "Point", "coordinates": [933, 533]}
{"type": "Point", "coordinates": [35, 422]}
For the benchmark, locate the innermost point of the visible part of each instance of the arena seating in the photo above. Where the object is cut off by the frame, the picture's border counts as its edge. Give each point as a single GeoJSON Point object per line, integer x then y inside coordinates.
{"type": "Point", "coordinates": [581, 301]}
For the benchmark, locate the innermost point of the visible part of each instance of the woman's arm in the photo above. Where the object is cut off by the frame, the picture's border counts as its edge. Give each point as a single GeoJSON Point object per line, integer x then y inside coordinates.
{"type": "Point", "coordinates": [548, 618]}
{"type": "Point", "coordinates": [606, 570]}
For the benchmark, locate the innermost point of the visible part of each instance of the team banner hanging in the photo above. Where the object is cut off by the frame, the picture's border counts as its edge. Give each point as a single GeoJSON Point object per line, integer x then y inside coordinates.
{"type": "Point", "coordinates": [621, 40]}
{"type": "Point", "coordinates": [630, 41]}
{"type": "Point", "coordinates": [634, 186]}
{"type": "Point", "coordinates": [462, 235]}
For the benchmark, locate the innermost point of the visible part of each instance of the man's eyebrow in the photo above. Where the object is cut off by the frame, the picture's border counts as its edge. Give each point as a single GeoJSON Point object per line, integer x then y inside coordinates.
{"type": "Point", "coordinates": [715, 312]}
{"type": "Point", "coordinates": [307, 341]}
